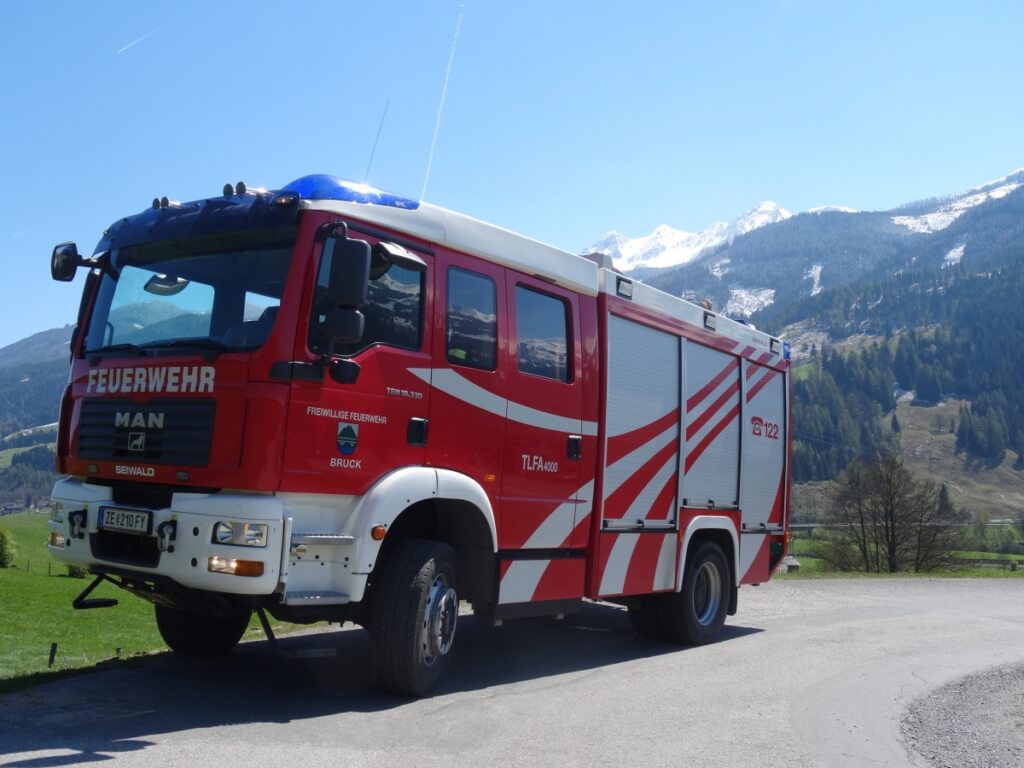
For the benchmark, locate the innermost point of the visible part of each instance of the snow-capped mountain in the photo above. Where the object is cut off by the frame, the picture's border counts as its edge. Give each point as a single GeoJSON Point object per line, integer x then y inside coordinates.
{"type": "Point", "coordinates": [771, 257]}
{"type": "Point", "coordinates": [667, 247]}
{"type": "Point", "coordinates": [947, 213]}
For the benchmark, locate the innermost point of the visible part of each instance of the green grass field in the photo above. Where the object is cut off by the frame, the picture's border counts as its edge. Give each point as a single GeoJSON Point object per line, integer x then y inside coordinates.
{"type": "Point", "coordinates": [8, 453]}
{"type": "Point", "coordinates": [35, 611]}
{"type": "Point", "coordinates": [815, 568]}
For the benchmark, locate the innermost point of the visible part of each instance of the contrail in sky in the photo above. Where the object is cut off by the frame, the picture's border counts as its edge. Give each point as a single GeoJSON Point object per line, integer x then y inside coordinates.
{"type": "Point", "coordinates": [139, 40]}
{"type": "Point", "coordinates": [440, 108]}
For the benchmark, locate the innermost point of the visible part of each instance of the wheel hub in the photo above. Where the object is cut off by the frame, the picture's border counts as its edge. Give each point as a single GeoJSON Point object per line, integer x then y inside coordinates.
{"type": "Point", "coordinates": [440, 616]}
{"type": "Point", "coordinates": [707, 594]}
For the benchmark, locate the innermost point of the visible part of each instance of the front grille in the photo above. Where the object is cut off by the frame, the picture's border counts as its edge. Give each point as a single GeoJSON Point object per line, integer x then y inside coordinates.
{"type": "Point", "coordinates": [127, 548]}
{"type": "Point", "coordinates": [157, 432]}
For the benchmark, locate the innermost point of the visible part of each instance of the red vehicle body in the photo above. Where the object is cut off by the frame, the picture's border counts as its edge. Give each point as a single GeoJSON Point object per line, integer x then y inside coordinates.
{"type": "Point", "coordinates": [328, 403]}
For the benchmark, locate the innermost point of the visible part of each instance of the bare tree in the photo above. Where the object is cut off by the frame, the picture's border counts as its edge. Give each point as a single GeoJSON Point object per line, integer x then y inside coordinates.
{"type": "Point", "coordinates": [885, 521]}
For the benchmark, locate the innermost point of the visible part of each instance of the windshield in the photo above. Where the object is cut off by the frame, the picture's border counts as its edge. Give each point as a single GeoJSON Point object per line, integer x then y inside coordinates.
{"type": "Point", "coordinates": [218, 293]}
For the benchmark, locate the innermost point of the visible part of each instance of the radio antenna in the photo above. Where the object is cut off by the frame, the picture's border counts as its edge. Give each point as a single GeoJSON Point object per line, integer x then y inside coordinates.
{"type": "Point", "coordinates": [374, 150]}
{"type": "Point", "coordinates": [440, 107]}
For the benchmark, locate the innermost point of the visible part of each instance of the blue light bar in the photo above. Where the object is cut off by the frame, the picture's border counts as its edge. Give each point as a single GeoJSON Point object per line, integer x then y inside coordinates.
{"type": "Point", "coordinates": [785, 350]}
{"type": "Point", "coordinates": [320, 186]}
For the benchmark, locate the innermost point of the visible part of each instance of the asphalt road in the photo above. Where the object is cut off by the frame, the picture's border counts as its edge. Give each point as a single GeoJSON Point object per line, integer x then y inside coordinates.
{"type": "Point", "coordinates": [808, 673]}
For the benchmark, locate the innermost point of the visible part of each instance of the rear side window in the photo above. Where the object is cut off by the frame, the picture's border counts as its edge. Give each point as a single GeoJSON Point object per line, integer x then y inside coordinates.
{"type": "Point", "coordinates": [542, 335]}
{"type": "Point", "coordinates": [471, 335]}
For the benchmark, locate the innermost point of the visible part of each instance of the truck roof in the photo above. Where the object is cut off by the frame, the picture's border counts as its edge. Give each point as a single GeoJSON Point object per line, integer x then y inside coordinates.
{"type": "Point", "coordinates": [587, 275]}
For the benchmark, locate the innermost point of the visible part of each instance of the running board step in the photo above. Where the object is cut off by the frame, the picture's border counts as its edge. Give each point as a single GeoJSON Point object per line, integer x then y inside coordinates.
{"type": "Point", "coordinates": [315, 597]}
{"type": "Point", "coordinates": [322, 539]}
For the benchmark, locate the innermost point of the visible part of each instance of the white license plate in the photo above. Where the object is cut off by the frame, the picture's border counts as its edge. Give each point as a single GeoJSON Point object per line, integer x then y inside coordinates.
{"type": "Point", "coordinates": [127, 520]}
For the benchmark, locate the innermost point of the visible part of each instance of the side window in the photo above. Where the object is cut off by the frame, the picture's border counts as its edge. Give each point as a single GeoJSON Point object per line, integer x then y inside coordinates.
{"type": "Point", "coordinates": [542, 335]}
{"type": "Point", "coordinates": [257, 306]}
{"type": "Point", "coordinates": [471, 337]}
{"type": "Point", "coordinates": [393, 311]}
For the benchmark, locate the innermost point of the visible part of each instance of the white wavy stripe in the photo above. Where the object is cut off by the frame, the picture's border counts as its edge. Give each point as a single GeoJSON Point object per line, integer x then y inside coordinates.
{"type": "Point", "coordinates": [665, 575]}
{"type": "Point", "coordinates": [614, 577]}
{"type": "Point", "coordinates": [520, 581]}
{"type": "Point", "coordinates": [631, 462]}
{"type": "Point", "coordinates": [750, 545]}
{"type": "Point", "coordinates": [451, 383]}
{"type": "Point", "coordinates": [641, 505]}
{"type": "Point", "coordinates": [706, 403]}
{"type": "Point", "coordinates": [561, 522]}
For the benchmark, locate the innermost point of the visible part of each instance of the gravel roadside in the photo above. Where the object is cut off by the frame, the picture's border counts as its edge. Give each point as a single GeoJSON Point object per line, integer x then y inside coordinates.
{"type": "Point", "coordinates": [974, 722]}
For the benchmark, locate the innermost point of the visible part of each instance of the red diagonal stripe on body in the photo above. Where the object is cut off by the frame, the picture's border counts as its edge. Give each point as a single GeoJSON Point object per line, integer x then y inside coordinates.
{"type": "Point", "coordinates": [695, 426]}
{"type": "Point", "coordinates": [663, 504]}
{"type": "Point", "coordinates": [627, 442]}
{"type": "Point", "coordinates": [711, 386]}
{"type": "Point", "coordinates": [616, 505]}
{"type": "Point", "coordinates": [757, 387]}
{"type": "Point", "coordinates": [643, 564]}
{"type": "Point", "coordinates": [775, 516]}
{"type": "Point", "coordinates": [709, 438]}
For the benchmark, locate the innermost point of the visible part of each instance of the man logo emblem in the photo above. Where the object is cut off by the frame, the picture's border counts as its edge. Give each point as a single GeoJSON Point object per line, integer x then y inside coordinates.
{"type": "Point", "coordinates": [137, 441]}
{"type": "Point", "coordinates": [348, 438]}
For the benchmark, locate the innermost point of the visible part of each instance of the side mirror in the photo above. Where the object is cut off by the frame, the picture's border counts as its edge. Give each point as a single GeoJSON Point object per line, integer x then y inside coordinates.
{"type": "Point", "coordinates": [385, 254]}
{"type": "Point", "coordinates": [343, 325]}
{"type": "Point", "coordinates": [64, 262]}
{"type": "Point", "coordinates": [350, 271]}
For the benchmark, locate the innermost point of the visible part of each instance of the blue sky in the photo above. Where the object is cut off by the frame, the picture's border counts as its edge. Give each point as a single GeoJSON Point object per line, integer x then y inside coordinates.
{"type": "Point", "coordinates": [562, 120]}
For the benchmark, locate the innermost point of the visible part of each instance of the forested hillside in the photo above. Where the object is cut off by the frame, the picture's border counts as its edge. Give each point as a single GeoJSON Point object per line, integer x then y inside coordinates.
{"type": "Point", "coordinates": [953, 331]}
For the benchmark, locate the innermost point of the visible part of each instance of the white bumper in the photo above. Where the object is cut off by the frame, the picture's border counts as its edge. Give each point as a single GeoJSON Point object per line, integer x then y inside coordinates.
{"type": "Point", "coordinates": [186, 559]}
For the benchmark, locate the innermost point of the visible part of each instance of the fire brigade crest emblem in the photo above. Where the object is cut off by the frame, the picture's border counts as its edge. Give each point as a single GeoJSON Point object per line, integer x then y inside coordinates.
{"type": "Point", "coordinates": [348, 438]}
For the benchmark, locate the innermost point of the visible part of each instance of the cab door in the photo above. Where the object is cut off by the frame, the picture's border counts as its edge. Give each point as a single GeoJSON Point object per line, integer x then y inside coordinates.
{"type": "Point", "coordinates": [544, 430]}
{"type": "Point", "coordinates": [469, 373]}
{"type": "Point", "coordinates": [344, 435]}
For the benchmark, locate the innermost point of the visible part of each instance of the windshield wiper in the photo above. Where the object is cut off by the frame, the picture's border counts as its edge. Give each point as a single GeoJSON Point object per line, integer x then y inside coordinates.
{"type": "Point", "coordinates": [134, 349]}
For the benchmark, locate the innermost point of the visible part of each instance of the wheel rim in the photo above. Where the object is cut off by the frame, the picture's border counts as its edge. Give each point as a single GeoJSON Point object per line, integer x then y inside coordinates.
{"type": "Point", "coordinates": [440, 616]}
{"type": "Point", "coordinates": [707, 594]}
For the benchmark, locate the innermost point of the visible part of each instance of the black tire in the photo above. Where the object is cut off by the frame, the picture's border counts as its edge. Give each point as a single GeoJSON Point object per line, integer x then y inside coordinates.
{"type": "Point", "coordinates": [199, 634]}
{"type": "Point", "coordinates": [414, 618]}
{"type": "Point", "coordinates": [645, 617]}
{"type": "Point", "coordinates": [695, 615]}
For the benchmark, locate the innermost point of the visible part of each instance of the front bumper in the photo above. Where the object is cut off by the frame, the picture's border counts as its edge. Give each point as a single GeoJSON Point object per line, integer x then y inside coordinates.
{"type": "Point", "coordinates": [187, 557]}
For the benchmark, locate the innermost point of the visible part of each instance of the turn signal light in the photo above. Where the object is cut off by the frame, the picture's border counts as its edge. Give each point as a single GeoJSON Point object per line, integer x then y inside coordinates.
{"type": "Point", "coordinates": [235, 567]}
{"type": "Point", "coordinates": [378, 532]}
{"type": "Point", "coordinates": [57, 540]}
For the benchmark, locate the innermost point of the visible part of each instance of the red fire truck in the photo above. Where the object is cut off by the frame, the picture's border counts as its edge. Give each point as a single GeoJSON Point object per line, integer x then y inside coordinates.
{"type": "Point", "coordinates": [329, 403]}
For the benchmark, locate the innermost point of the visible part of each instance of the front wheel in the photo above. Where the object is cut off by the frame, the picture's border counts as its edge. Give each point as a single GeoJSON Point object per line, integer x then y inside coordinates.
{"type": "Point", "coordinates": [415, 613]}
{"type": "Point", "coordinates": [199, 634]}
{"type": "Point", "coordinates": [696, 614]}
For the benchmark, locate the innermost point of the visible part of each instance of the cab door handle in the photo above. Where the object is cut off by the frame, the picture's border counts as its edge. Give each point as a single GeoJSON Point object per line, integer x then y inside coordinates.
{"type": "Point", "coordinates": [574, 450]}
{"type": "Point", "coordinates": [416, 432]}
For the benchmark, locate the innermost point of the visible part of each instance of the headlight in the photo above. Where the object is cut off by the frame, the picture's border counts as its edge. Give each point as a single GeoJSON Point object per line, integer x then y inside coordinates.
{"type": "Point", "coordinates": [56, 512]}
{"type": "Point", "coordinates": [240, 534]}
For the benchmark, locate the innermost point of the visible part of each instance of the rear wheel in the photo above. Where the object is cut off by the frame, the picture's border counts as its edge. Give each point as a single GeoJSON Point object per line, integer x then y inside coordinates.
{"type": "Point", "coordinates": [696, 614]}
{"type": "Point", "coordinates": [200, 634]}
{"type": "Point", "coordinates": [415, 614]}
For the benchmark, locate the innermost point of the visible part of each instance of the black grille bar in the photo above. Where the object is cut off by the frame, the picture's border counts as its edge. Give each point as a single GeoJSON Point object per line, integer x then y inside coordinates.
{"type": "Point", "coordinates": [162, 431]}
